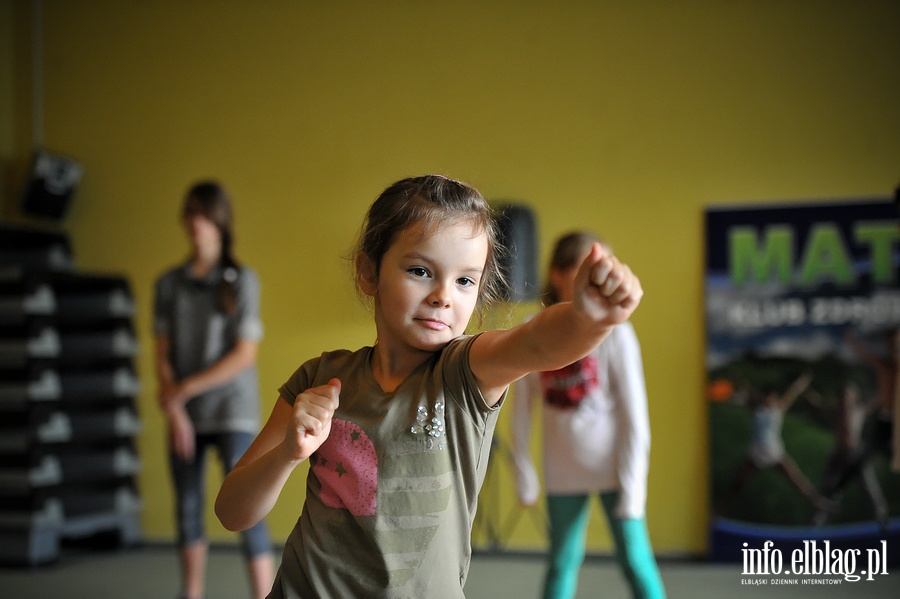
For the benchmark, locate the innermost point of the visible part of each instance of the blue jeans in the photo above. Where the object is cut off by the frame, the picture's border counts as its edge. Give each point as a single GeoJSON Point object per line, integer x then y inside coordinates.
{"type": "Point", "coordinates": [569, 516]}
{"type": "Point", "coordinates": [189, 480]}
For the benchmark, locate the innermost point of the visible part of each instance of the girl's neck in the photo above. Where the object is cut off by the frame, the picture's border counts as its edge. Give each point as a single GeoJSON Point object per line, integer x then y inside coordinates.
{"type": "Point", "coordinates": [390, 367]}
{"type": "Point", "coordinates": [202, 263]}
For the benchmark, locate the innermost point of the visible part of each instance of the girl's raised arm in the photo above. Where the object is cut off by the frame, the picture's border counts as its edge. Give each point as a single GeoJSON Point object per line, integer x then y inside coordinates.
{"type": "Point", "coordinates": [606, 294]}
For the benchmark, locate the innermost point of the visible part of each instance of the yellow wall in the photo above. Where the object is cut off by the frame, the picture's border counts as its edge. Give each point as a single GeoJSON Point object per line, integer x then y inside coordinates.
{"type": "Point", "coordinates": [626, 117]}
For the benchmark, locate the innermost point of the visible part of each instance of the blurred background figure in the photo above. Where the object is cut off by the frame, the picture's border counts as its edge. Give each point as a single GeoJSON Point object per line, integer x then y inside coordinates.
{"type": "Point", "coordinates": [849, 414]}
{"type": "Point", "coordinates": [596, 441]}
{"type": "Point", "coordinates": [207, 326]}
{"type": "Point", "coordinates": [766, 449]}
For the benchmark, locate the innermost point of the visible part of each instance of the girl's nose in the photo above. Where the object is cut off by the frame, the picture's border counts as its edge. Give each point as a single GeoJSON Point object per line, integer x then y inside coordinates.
{"type": "Point", "coordinates": [440, 297]}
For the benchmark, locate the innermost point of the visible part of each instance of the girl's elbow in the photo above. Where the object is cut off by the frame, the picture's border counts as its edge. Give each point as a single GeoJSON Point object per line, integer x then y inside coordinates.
{"type": "Point", "coordinates": [246, 360]}
{"type": "Point", "coordinates": [228, 526]}
{"type": "Point", "coordinates": [229, 520]}
{"type": "Point", "coordinates": [249, 352]}
{"type": "Point", "coordinates": [232, 524]}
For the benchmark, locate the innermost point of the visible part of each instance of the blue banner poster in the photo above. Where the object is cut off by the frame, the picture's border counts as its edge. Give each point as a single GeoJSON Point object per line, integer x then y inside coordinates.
{"type": "Point", "coordinates": [802, 308]}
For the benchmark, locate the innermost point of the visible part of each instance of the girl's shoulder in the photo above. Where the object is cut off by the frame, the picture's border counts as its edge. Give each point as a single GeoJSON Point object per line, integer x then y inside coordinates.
{"type": "Point", "coordinates": [243, 276]}
{"type": "Point", "coordinates": [172, 275]}
{"type": "Point", "coordinates": [344, 356]}
{"type": "Point", "coordinates": [247, 271]}
{"type": "Point", "coordinates": [326, 364]}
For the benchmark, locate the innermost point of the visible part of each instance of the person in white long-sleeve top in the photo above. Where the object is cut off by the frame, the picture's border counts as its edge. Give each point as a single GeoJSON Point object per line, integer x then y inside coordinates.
{"type": "Point", "coordinates": [596, 441]}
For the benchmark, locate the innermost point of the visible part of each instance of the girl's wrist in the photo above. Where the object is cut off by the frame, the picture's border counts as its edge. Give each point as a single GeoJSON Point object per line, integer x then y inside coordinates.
{"type": "Point", "coordinates": [289, 455]}
{"type": "Point", "coordinates": [590, 320]}
{"type": "Point", "coordinates": [174, 410]}
{"type": "Point", "coordinates": [184, 391]}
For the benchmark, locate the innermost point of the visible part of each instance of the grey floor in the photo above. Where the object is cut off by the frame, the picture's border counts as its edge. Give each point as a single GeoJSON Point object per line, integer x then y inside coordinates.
{"type": "Point", "coordinates": [150, 572]}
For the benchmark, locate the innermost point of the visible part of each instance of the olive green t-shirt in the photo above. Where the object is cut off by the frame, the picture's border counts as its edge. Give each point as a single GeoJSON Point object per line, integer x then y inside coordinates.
{"type": "Point", "coordinates": [391, 494]}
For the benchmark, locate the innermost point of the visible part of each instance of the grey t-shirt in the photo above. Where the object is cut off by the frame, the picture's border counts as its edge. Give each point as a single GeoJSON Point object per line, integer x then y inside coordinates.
{"type": "Point", "coordinates": [391, 494]}
{"type": "Point", "coordinates": [186, 310]}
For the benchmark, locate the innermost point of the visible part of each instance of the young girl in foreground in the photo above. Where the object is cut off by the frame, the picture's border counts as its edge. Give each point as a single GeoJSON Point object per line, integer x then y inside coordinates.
{"type": "Point", "coordinates": [398, 434]}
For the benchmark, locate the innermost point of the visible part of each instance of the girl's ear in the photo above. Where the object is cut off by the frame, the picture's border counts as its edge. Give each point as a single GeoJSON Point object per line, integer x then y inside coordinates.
{"type": "Point", "coordinates": [365, 274]}
{"type": "Point", "coordinates": [555, 278]}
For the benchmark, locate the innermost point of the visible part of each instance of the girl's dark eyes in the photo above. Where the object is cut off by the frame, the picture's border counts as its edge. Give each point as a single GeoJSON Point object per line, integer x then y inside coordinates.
{"type": "Point", "coordinates": [420, 272]}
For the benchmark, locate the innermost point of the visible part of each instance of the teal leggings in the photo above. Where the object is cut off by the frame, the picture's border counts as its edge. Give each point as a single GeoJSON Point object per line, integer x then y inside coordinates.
{"type": "Point", "coordinates": [569, 516]}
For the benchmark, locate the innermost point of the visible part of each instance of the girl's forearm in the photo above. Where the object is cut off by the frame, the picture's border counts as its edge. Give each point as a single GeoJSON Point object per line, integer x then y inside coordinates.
{"type": "Point", "coordinates": [556, 337]}
{"type": "Point", "coordinates": [563, 335]}
{"type": "Point", "coordinates": [241, 357]}
{"type": "Point", "coordinates": [250, 490]}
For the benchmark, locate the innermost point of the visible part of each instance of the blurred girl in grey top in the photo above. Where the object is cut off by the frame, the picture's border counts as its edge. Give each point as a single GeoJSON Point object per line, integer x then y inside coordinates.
{"type": "Point", "coordinates": [207, 327]}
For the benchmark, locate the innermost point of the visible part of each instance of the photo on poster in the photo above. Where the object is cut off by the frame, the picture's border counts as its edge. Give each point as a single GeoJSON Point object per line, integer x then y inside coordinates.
{"type": "Point", "coordinates": [802, 311]}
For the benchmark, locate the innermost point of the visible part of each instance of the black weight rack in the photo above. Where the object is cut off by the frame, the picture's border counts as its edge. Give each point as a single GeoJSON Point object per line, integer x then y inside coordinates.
{"type": "Point", "coordinates": [68, 421]}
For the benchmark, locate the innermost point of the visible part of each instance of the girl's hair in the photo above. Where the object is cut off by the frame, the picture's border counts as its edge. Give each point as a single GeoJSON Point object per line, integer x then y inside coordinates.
{"type": "Point", "coordinates": [432, 200]}
{"type": "Point", "coordinates": [570, 249]}
{"type": "Point", "coordinates": [209, 199]}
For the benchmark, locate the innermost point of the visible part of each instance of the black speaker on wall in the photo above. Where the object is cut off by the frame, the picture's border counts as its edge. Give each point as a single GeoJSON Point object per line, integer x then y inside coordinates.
{"type": "Point", "coordinates": [517, 227]}
{"type": "Point", "coordinates": [53, 180]}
